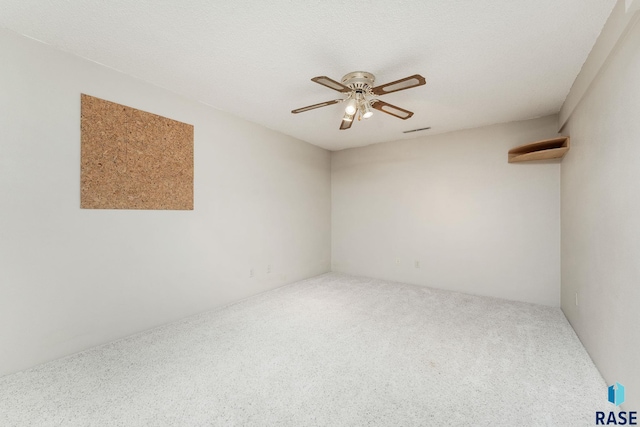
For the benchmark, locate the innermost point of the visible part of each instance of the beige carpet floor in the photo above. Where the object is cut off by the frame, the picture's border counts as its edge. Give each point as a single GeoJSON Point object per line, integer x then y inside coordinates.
{"type": "Point", "coordinates": [334, 350]}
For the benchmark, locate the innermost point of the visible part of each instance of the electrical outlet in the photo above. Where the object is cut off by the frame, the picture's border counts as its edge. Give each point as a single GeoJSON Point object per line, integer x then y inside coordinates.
{"type": "Point", "coordinates": [398, 261]}
{"type": "Point", "coordinates": [417, 264]}
{"type": "Point", "coordinates": [268, 268]}
{"type": "Point", "coordinates": [251, 272]}
{"type": "Point", "coordinates": [576, 298]}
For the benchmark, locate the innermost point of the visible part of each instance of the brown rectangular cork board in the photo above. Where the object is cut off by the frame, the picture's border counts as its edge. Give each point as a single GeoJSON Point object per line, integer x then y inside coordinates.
{"type": "Point", "coordinates": [131, 159]}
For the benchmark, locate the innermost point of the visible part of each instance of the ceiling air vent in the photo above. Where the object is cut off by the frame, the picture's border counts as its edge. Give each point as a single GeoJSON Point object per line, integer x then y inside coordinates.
{"type": "Point", "coordinates": [416, 130]}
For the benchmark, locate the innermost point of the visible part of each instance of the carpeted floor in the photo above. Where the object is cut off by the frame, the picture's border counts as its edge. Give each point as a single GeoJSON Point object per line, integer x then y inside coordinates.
{"type": "Point", "coordinates": [334, 350]}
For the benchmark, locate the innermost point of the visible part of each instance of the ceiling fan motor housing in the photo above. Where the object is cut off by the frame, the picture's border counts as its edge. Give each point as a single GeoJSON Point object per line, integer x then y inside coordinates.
{"type": "Point", "coordinates": [359, 81]}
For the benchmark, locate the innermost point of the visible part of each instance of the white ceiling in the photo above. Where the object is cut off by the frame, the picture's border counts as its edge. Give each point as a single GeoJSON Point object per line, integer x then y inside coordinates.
{"type": "Point", "coordinates": [485, 61]}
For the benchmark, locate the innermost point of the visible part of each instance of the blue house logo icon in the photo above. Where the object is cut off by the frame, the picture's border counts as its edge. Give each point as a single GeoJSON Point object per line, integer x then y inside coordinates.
{"type": "Point", "coordinates": [616, 394]}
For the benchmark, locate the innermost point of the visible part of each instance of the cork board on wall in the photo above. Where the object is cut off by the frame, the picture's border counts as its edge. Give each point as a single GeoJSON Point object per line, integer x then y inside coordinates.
{"type": "Point", "coordinates": [131, 159]}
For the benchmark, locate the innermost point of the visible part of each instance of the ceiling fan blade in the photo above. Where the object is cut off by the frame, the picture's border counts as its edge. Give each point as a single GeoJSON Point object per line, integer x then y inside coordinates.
{"type": "Point", "coordinates": [344, 125]}
{"type": "Point", "coordinates": [402, 84]}
{"type": "Point", "coordinates": [314, 106]}
{"type": "Point", "coordinates": [398, 112]}
{"type": "Point", "coordinates": [331, 84]}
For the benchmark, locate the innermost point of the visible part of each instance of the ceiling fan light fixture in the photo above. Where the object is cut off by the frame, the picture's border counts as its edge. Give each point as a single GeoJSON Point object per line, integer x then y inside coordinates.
{"type": "Point", "coordinates": [366, 110]}
{"type": "Point", "coordinates": [351, 108]}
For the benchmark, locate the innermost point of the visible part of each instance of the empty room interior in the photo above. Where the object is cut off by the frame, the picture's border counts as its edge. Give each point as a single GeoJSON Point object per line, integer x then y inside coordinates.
{"type": "Point", "coordinates": [420, 213]}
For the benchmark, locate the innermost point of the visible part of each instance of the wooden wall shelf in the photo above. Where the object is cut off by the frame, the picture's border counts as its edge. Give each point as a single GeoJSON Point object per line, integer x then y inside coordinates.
{"type": "Point", "coordinates": [548, 149]}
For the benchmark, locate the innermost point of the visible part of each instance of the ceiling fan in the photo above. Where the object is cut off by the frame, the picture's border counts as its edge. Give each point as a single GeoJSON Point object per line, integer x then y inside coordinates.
{"type": "Point", "coordinates": [361, 96]}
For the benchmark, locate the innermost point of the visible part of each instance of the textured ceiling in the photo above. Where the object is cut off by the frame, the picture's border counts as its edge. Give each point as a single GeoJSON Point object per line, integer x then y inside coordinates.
{"type": "Point", "coordinates": [485, 61]}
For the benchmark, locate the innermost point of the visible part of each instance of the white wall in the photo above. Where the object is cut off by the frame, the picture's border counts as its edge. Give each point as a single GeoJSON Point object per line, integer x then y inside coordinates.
{"type": "Point", "coordinates": [71, 278]}
{"type": "Point", "coordinates": [601, 218]}
{"type": "Point", "coordinates": [476, 223]}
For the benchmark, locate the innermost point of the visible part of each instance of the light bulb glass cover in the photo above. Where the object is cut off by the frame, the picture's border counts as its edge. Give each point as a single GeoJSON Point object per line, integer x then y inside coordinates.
{"type": "Point", "coordinates": [366, 110]}
{"type": "Point", "coordinates": [351, 107]}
